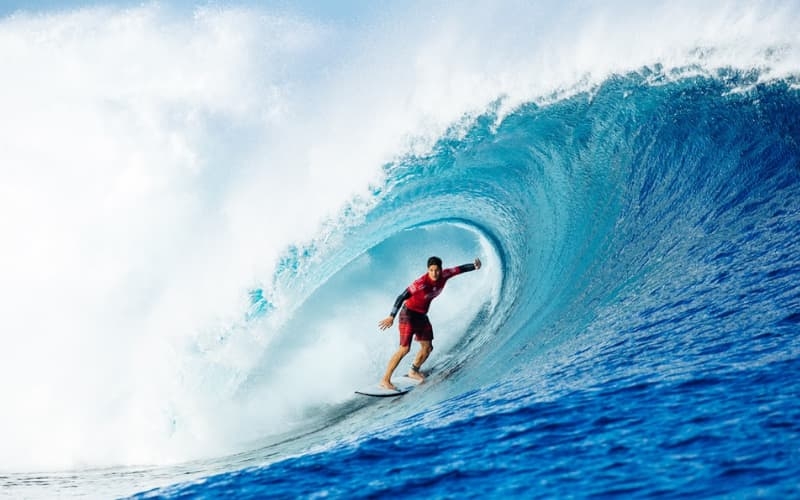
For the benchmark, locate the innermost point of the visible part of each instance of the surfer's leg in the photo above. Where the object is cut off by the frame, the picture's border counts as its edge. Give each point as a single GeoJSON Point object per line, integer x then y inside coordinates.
{"type": "Point", "coordinates": [425, 348]}
{"type": "Point", "coordinates": [424, 334]}
{"type": "Point", "coordinates": [393, 362]}
{"type": "Point", "coordinates": [406, 332]}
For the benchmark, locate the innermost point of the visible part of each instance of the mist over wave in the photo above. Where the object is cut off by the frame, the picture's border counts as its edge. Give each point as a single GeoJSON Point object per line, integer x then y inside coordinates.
{"type": "Point", "coordinates": [161, 165]}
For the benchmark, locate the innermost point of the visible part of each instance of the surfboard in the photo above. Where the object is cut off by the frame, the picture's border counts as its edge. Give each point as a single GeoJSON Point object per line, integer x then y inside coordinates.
{"type": "Point", "coordinates": [402, 382]}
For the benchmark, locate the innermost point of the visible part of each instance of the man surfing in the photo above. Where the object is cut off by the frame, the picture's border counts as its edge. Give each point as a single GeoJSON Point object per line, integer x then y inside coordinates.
{"type": "Point", "coordinates": [413, 306]}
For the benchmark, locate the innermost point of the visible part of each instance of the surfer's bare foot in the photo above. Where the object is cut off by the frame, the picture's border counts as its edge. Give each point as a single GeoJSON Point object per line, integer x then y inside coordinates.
{"type": "Point", "coordinates": [416, 375]}
{"type": "Point", "coordinates": [388, 385]}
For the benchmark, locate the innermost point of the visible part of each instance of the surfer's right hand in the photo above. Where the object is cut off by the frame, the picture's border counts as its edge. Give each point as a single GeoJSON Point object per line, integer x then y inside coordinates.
{"type": "Point", "coordinates": [386, 322]}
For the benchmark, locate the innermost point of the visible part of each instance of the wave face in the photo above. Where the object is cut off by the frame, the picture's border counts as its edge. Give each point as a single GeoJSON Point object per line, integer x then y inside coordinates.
{"type": "Point", "coordinates": [633, 332]}
{"type": "Point", "coordinates": [647, 314]}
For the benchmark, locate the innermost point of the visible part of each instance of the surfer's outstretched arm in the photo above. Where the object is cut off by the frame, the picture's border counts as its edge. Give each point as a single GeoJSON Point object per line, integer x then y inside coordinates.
{"type": "Point", "coordinates": [465, 268]}
{"type": "Point", "coordinates": [389, 320]}
{"type": "Point", "coordinates": [475, 265]}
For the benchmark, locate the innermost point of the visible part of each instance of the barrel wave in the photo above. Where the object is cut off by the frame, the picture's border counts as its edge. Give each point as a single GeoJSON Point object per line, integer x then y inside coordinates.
{"type": "Point", "coordinates": [224, 251]}
{"type": "Point", "coordinates": [643, 315]}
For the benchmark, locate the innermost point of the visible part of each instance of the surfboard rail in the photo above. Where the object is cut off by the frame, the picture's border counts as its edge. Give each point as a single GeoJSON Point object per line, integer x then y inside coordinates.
{"type": "Point", "coordinates": [403, 383]}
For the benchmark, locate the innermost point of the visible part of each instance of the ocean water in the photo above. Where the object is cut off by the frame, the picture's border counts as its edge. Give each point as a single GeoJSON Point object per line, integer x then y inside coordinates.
{"type": "Point", "coordinates": [209, 209]}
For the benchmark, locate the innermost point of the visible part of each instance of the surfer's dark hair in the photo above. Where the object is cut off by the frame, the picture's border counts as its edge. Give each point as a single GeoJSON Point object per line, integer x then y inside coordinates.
{"type": "Point", "coordinates": [434, 261]}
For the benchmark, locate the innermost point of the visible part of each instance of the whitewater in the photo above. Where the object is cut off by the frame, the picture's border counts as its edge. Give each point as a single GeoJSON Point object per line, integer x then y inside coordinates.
{"type": "Point", "coordinates": [206, 209]}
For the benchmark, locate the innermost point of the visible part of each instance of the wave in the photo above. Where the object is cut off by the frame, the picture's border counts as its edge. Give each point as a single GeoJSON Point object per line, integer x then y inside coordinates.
{"type": "Point", "coordinates": [181, 251]}
{"type": "Point", "coordinates": [624, 229]}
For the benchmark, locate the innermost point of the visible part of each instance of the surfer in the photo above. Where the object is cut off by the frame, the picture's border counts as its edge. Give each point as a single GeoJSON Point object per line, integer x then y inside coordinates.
{"type": "Point", "coordinates": [413, 306]}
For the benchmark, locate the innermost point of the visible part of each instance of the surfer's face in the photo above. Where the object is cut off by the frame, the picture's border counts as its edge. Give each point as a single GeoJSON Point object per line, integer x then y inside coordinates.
{"type": "Point", "coordinates": [434, 272]}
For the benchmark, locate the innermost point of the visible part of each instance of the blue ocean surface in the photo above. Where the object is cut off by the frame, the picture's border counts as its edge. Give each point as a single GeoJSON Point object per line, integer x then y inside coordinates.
{"type": "Point", "coordinates": [634, 331]}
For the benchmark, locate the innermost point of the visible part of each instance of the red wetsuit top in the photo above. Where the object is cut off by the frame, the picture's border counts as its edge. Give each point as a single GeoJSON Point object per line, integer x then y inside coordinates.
{"type": "Point", "coordinates": [423, 290]}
